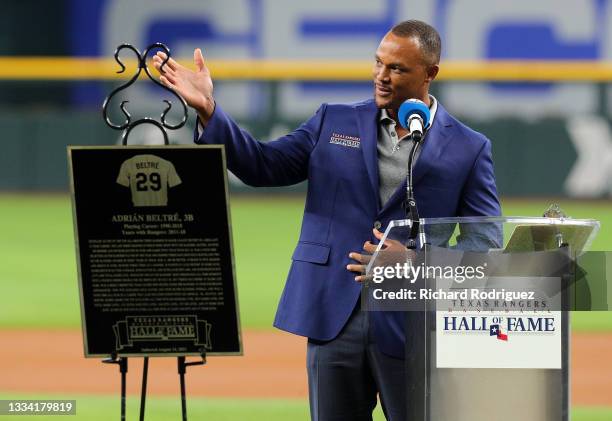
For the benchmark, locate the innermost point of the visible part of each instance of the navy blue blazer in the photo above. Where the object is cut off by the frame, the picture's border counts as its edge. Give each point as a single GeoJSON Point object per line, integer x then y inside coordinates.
{"type": "Point", "coordinates": [335, 150]}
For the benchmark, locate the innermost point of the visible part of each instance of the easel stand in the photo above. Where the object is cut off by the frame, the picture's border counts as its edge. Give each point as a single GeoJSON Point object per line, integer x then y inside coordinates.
{"type": "Point", "coordinates": [182, 364]}
{"type": "Point", "coordinates": [182, 369]}
{"type": "Point", "coordinates": [122, 362]}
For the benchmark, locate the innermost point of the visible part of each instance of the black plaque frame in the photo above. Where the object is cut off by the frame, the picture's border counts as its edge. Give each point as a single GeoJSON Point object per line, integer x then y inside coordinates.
{"type": "Point", "coordinates": [97, 167]}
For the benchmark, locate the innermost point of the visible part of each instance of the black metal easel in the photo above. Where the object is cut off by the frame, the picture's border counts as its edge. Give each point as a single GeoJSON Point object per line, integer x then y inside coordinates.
{"type": "Point", "coordinates": [128, 124]}
{"type": "Point", "coordinates": [123, 368]}
{"type": "Point", "coordinates": [127, 127]}
{"type": "Point", "coordinates": [122, 362]}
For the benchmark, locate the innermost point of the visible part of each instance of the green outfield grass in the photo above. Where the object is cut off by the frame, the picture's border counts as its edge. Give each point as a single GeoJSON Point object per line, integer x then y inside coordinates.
{"type": "Point", "coordinates": [38, 289]}
{"type": "Point", "coordinates": [38, 281]}
{"type": "Point", "coordinates": [104, 408]}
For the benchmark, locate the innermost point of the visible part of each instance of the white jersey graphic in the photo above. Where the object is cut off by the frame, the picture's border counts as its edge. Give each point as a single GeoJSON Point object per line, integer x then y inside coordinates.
{"type": "Point", "coordinates": [148, 177]}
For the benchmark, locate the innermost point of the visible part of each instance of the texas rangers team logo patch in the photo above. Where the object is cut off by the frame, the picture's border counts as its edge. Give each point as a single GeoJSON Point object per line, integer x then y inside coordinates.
{"type": "Point", "coordinates": [344, 140]}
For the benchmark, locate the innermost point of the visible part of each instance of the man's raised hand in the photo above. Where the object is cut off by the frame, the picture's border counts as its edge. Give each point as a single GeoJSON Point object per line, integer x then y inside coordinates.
{"type": "Point", "coordinates": [196, 87]}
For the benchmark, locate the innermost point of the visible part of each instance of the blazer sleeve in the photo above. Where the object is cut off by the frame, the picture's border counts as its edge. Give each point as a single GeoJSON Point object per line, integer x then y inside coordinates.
{"type": "Point", "coordinates": [479, 195]}
{"type": "Point", "coordinates": [280, 162]}
{"type": "Point", "coordinates": [479, 198]}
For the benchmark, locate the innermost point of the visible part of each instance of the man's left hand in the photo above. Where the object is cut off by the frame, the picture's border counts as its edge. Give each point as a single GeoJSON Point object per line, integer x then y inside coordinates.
{"type": "Point", "coordinates": [368, 250]}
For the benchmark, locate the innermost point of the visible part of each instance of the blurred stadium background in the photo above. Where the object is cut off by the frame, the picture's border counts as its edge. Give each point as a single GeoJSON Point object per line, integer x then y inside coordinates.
{"type": "Point", "coordinates": [534, 76]}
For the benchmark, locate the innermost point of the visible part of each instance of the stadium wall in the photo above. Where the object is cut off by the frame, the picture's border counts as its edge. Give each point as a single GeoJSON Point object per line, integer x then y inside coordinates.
{"type": "Point", "coordinates": [549, 137]}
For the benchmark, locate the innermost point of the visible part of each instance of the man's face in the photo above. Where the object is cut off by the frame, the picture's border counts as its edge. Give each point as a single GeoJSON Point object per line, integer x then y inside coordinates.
{"type": "Point", "coordinates": [400, 72]}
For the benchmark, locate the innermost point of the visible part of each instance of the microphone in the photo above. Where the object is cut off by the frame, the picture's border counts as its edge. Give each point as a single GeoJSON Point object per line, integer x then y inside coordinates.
{"type": "Point", "coordinates": [414, 116]}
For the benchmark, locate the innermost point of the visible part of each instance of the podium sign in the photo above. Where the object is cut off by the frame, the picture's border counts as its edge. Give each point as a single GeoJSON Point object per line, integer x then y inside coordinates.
{"type": "Point", "coordinates": [154, 251]}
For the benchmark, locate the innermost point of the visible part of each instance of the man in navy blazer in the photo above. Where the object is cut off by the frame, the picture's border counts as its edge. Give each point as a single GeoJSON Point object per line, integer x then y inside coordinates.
{"type": "Point", "coordinates": [354, 157]}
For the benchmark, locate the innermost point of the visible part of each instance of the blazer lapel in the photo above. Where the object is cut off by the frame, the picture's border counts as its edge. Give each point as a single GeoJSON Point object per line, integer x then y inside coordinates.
{"type": "Point", "coordinates": [368, 131]}
{"type": "Point", "coordinates": [434, 144]}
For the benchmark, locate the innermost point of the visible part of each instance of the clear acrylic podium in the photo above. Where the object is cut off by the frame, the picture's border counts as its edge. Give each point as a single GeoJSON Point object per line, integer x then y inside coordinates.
{"type": "Point", "coordinates": [481, 357]}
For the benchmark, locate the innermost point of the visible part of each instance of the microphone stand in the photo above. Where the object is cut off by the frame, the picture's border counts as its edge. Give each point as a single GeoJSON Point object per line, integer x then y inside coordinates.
{"type": "Point", "coordinates": [416, 362]}
{"type": "Point", "coordinates": [412, 212]}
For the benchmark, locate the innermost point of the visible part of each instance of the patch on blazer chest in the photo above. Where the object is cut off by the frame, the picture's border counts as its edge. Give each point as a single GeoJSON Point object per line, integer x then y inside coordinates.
{"type": "Point", "coordinates": [345, 140]}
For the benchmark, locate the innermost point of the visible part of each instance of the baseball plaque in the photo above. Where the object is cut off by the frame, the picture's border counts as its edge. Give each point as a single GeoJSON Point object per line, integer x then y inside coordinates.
{"type": "Point", "coordinates": [154, 251]}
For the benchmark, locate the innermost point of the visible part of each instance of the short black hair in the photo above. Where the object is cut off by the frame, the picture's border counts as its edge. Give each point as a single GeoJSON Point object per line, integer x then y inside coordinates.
{"type": "Point", "coordinates": [425, 34]}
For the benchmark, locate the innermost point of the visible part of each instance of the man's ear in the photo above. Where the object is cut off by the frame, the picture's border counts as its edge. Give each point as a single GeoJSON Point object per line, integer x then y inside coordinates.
{"type": "Point", "coordinates": [432, 72]}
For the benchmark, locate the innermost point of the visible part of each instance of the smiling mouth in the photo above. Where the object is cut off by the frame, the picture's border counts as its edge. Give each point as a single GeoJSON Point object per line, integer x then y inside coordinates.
{"type": "Point", "coordinates": [383, 91]}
